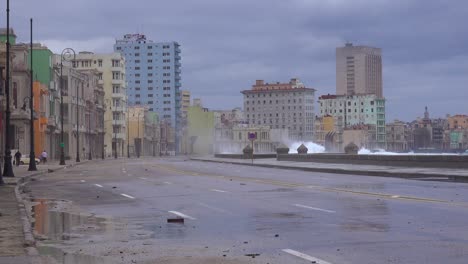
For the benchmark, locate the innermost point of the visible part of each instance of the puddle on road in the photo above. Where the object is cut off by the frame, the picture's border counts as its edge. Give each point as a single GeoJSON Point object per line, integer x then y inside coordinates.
{"type": "Point", "coordinates": [55, 225]}
{"type": "Point", "coordinates": [54, 228]}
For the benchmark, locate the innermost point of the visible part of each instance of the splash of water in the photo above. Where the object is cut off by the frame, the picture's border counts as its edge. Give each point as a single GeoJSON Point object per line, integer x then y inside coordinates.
{"type": "Point", "coordinates": [313, 147]}
{"type": "Point", "coordinates": [364, 151]}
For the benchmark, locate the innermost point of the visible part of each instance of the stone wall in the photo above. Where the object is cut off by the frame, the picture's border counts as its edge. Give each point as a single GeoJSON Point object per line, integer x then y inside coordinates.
{"type": "Point", "coordinates": [432, 161]}
{"type": "Point", "coordinates": [241, 156]}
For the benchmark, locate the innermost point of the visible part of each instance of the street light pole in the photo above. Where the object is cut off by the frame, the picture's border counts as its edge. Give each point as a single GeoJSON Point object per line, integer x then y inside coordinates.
{"type": "Point", "coordinates": [65, 56]}
{"type": "Point", "coordinates": [78, 123]}
{"type": "Point", "coordinates": [128, 132]}
{"type": "Point", "coordinates": [138, 135]}
{"type": "Point", "coordinates": [8, 167]}
{"type": "Point", "coordinates": [89, 136]}
{"type": "Point", "coordinates": [32, 157]}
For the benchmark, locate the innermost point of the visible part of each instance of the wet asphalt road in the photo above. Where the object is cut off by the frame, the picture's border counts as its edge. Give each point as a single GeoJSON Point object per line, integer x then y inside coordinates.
{"type": "Point", "coordinates": [116, 212]}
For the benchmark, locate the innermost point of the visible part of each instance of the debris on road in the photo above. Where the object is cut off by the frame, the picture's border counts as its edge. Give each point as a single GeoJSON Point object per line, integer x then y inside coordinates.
{"type": "Point", "coordinates": [252, 255]}
{"type": "Point", "coordinates": [175, 220]}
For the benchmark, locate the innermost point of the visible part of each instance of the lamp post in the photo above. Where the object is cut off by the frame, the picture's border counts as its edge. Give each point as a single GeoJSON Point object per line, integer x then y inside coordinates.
{"type": "Point", "coordinates": [89, 136]}
{"type": "Point", "coordinates": [32, 158]}
{"type": "Point", "coordinates": [78, 123]}
{"type": "Point", "coordinates": [128, 132]}
{"type": "Point", "coordinates": [8, 167]}
{"type": "Point", "coordinates": [138, 135]}
{"type": "Point", "coordinates": [65, 56]}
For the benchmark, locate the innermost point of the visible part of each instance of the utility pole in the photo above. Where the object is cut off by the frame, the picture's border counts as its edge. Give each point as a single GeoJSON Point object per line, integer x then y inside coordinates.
{"type": "Point", "coordinates": [32, 157]}
{"type": "Point", "coordinates": [8, 167]}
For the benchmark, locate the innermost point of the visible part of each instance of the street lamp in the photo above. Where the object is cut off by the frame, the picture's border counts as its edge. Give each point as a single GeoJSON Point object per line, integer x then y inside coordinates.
{"type": "Point", "coordinates": [32, 158]}
{"type": "Point", "coordinates": [78, 123]}
{"type": "Point", "coordinates": [138, 135]}
{"type": "Point", "coordinates": [8, 167]}
{"type": "Point", "coordinates": [66, 55]}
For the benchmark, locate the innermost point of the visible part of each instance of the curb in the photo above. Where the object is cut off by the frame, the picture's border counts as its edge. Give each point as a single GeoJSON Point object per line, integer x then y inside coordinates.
{"type": "Point", "coordinates": [405, 175]}
{"type": "Point", "coordinates": [29, 240]}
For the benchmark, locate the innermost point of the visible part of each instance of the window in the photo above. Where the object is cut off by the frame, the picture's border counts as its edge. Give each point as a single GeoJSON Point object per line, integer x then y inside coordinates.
{"type": "Point", "coordinates": [150, 88]}
{"type": "Point", "coordinates": [150, 74]}
{"type": "Point", "coordinates": [150, 67]}
{"type": "Point", "coordinates": [137, 75]}
{"type": "Point", "coordinates": [137, 88]}
{"type": "Point", "coordinates": [150, 54]}
{"type": "Point", "coordinates": [150, 102]}
{"type": "Point", "coordinates": [137, 68]}
{"type": "Point", "coordinates": [150, 61]}
{"type": "Point", "coordinates": [150, 47]}
{"type": "Point", "coordinates": [137, 95]}
{"type": "Point", "coordinates": [150, 95]}
{"type": "Point", "coordinates": [137, 54]}
{"type": "Point", "coordinates": [137, 61]}
{"type": "Point", "coordinates": [115, 63]}
{"type": "Point", "coordinates": [115, 75]}
{"type": "Point", "coordinates": [137, 47]}
{"type": "Point", "coordinates": [137, 81]}
{"type": "Point", "coordinates": [150, 81]}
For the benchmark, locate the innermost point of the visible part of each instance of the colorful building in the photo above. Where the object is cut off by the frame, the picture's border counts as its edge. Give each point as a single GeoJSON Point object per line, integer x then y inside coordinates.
{"type": "Point", "coordinates": [201, 124]}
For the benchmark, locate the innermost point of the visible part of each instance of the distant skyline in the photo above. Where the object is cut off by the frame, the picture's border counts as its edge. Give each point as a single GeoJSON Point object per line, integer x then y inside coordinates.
{"type": "Point", "coordinates": [226, 46]}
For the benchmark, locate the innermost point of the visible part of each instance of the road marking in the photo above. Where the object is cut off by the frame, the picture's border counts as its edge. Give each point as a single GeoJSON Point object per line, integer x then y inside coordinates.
{"type": "Point", "coordinates": [395, 196]}
{"type": "Point", "coordinates": [143, 178]}
{"type": "Point", "coordinates": [129, 175]}
{"type": "Point", "coordinates": [168, 182]}
{"type": "Point", "coordinates": [128, 196]}
{"type": "Point", "coordinates": [215, 208]}
{"type": "Point", "coordinates": [82, 181]}
{"type": "Point", "coordinates": [182, 215]}
{"type": "Point", "coordinates": [216, 190]}
{"type": "Point", "coordinates": [305, 256]}
{"type": "Point", "coordinates": [314, 208]}
{"type": "Point", "coordinates": [98, 185]}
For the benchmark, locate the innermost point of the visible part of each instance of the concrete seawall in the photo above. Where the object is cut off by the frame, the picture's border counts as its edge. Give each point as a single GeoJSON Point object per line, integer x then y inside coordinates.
{"type": "Point", "coordinates": [243, 156]}
{"type": "Point", "coordinates": [431, 161]}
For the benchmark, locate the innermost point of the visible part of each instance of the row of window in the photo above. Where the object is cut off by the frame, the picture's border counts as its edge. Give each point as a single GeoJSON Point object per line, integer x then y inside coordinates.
{"type": "Point", "coordinates": [283, 108]}
{"type": "Point", "coordinates": [277, 101]}
{"type": "Point", "coordinates": [277, 94]}
{"type": "Point", "coordinates": [277, 115]}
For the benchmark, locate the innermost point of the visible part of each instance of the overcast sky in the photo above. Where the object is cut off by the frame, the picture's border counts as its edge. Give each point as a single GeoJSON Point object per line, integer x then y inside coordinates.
{"type": "Point", "coordinates": [227, 45]}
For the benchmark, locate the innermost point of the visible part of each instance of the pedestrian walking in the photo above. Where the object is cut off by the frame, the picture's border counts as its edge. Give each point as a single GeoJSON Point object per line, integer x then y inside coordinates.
{"type": "Point", "coordinates": [44, 157]}
{"type": "Point", "coordinates": [17, 158]}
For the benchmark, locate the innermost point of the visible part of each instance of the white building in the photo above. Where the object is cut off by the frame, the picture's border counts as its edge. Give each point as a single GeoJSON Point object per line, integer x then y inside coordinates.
{"type": "Point", "coordinates": [281, 106]}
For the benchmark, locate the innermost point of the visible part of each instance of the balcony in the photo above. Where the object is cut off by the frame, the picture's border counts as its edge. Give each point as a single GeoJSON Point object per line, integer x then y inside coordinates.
{"type": "Point", "coordinates": [118, 122]}
{"type": "Point", "coordinates": [121, 82]}
{"type": "Point", "coordinates": [118, 136]}
{"type": "Point", "coordinates": [118, 109]}
{"type": "Point", "coordinates": [101, 82]}
{"type": "Point", "coordinates": [118, 95]}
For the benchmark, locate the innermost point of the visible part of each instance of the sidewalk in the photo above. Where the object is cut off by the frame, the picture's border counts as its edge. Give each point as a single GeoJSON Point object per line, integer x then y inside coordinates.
{"type": "Point", "coordinates": [16, 239]}
{"type": "Point", "coordinates": [369, 170]}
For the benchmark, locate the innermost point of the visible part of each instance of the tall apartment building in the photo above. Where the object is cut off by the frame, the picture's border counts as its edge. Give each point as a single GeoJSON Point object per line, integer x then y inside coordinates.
{"type": "Point", "coordinates": [358, 70]}
{"type": "Point", "coordinates": [282, 105]}
{"type": "Point", "coordinates": [358, 111]}
{"type": "Point", "coordinates": [153, 78]}
{"type": "Point", "coordinates": [111, 75]}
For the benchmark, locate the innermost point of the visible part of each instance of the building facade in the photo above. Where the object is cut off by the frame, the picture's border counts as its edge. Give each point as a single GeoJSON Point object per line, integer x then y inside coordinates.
{"type": "Point", "coordinates": [111, 75]}
{"type": "Point", "coordinates": [282, 106]}
{"type": "Point", "coordinates": [357, 110]}
{"type": "Point", "coordinates": [154, 78]}
{"type": "Point", "coordinates": [359, 70]}
{"type": "Point", "coordinates": [396, 136]}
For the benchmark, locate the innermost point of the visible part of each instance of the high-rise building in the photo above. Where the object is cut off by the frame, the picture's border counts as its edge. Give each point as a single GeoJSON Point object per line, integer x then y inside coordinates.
{"type": "Point", "coordinates": [153, 78]}
{"type": "Point", "coordinates": [111, 75]}
{"type": "Point", "coordinates": [358, 70]}
{"type": "Point", "coordinates": [282, 105]}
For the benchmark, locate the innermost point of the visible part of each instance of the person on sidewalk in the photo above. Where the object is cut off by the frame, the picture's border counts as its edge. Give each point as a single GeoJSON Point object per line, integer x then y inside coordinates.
{"type": "Point", "coordinates": [44, 157]}
{"type": "Point", "coordinates": [17, 157]}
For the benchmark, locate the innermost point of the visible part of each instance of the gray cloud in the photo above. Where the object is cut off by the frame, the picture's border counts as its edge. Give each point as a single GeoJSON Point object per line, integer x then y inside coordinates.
{"type": "Point", "coordinates": [226, 45]}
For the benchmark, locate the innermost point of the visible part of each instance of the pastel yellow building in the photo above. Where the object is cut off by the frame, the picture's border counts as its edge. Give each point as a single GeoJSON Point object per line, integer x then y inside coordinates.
{"type": "Point", "coordinates": [201, 123]}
